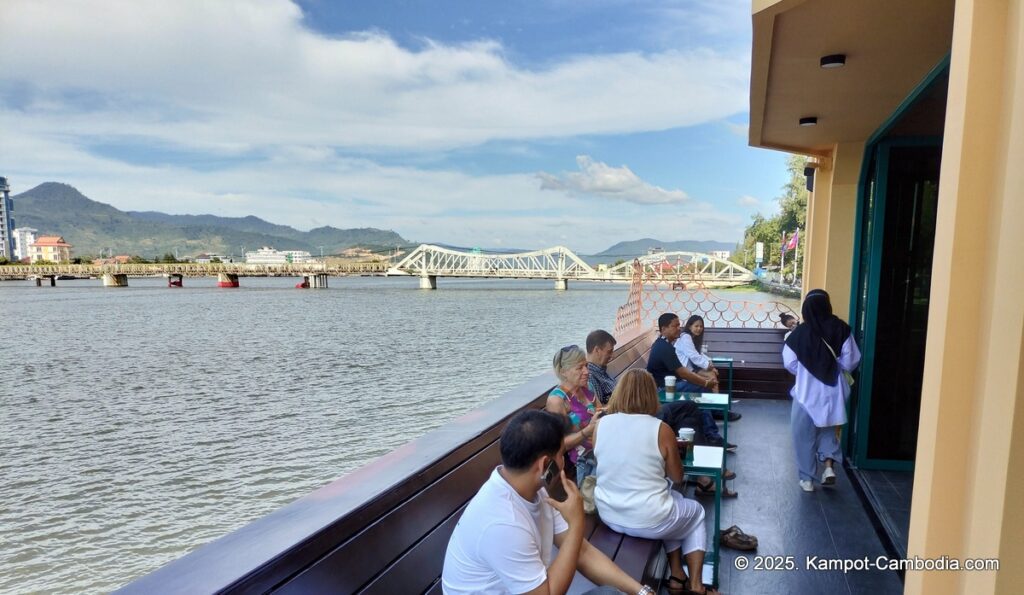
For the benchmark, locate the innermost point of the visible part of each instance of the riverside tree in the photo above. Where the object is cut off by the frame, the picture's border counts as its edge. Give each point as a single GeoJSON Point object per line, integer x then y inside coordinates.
{"type": "Point", "coordinates": [792, 214]}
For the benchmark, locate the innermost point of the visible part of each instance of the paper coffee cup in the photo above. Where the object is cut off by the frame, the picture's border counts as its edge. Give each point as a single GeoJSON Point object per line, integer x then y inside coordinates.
{"type": "Point", "coordinates": [685, 443]}
{"type": "Point", "coordinates": [670, 383]}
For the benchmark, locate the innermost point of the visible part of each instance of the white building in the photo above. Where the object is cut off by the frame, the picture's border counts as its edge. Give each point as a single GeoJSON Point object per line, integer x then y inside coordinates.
{"type": "Point", "coordinates": [267, 255]}
{"type": "Point", "coordinates": [208, 257]}
{"type": "Point", "coordinates": [23, 238]}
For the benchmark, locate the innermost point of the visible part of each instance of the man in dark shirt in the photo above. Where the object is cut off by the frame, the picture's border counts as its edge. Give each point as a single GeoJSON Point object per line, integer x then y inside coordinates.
{"type": "Point", "coordinates": [663, 360]}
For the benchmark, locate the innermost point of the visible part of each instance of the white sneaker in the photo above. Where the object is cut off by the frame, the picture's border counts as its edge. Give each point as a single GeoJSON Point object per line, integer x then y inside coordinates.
{"type": "Point", "coordinates": [806, 485]}
{"type": "Point", "coordinates": [828, 477]}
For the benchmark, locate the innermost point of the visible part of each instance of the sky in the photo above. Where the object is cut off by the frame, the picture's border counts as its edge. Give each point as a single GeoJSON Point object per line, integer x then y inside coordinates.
{"type": "Point", "coordinates": [513, 124]}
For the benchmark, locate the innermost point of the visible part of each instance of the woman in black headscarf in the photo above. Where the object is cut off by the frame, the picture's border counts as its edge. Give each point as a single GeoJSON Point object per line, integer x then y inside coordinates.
{"type": "Point", "coordinates": [818, 352]}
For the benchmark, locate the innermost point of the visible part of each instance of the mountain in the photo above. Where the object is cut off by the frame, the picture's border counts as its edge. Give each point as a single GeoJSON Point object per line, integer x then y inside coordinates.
{"type": "Point", "coordinates": [92, 226]}
{"type": "Point", "coordinates": [639, 247]}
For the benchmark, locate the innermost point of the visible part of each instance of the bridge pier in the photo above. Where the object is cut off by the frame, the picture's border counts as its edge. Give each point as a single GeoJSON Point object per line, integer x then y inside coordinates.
{"type": "Point", "coordinates": [115, 280]}
{"type": "Point", "coordinates": [428, 282]}
{"type": "Point", "coordinates": [561, 284]}
{"type": "Point", "coordinates": [318, 281]}
{"type": "Point", "coordinates": [175, 280]}
{"type": "Point", "coordinates": [227, 280]}
{"type": "Point", "coordinates": [39, 280]}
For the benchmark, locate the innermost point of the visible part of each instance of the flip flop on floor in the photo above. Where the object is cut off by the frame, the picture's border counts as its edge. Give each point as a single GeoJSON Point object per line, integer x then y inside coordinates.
{"type": "Point", "coordinates": [735, 538]}
{"type": "Point", "coordinates": [708, 590]}
{"type": "Point", "coordinates": [676, 585]}
{"type": "Point", "coordinates": [708, 489]}
{"type": "Point", "coordinates": [729, 474]}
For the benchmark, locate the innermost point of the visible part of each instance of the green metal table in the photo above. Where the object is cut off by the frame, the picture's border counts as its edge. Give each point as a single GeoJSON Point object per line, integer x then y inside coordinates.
{"type": "Point", "coordinates": [707, 401]}
{"type": "Point", "coordinates": [708, 461]}
{"type": "Point", "coordinates": [728, 361]}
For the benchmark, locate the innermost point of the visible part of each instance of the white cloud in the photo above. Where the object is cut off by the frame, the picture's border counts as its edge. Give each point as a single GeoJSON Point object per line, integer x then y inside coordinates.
{"type": "Point", "coordinates": [748, 201]}
{"type": "Point", "coordinates": [232, 75]}
{"type": "Point", "coordinates": [273, 103]}
{"type": "Point", "coordinates": [617, 183]}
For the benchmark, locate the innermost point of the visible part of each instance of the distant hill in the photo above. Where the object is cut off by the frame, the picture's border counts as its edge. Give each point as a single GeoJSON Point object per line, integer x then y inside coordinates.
{"type": "Point", "coordinates": [91, 226]}
{"type": "Point", "coordinates": [634, 248]}
{"type": "Point", "coordinates": [640, 247]}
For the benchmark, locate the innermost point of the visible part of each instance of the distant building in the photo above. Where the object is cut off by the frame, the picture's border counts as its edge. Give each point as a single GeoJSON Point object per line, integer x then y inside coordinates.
{"type": "Point", "coordinates": [267, 255]}
{"type": "Point", "coordinates": [207, 258]}
{"type": "Point", "coordinates": [23, 238]}
{"type": "Point", "coordinates": [723, 254]}
{"type": "Point", "coordinates": [51, 248]}
{"type": "Point", "coordinates": [119, 259]}
{"type": "Point", "coordinates": [6, 221]}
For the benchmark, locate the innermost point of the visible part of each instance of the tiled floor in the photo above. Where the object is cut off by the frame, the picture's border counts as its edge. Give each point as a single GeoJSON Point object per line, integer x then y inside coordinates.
{"type": "Point", "coordinates": [889, 493]}
{"type": "Point", "coordinates": [789, 523]}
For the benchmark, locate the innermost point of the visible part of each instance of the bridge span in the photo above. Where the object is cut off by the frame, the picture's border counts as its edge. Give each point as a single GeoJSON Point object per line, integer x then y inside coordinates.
{"type": "Point", "coordinates": [428, 262]}
{"type": "Point", "coordinates": [314, 274]}
{"type": "Point", "coordinates": [560, 264]}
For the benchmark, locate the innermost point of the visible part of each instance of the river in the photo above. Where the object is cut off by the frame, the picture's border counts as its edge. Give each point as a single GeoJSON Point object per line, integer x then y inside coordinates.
{"type": "Point", "coordinates": [140, 423]}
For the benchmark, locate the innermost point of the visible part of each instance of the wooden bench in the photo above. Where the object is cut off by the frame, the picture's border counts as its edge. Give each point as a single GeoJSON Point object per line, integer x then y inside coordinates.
{"type": "Point", "coordinates": [385, 528]}
{"type": "Point", "coordinates": [757, 361]}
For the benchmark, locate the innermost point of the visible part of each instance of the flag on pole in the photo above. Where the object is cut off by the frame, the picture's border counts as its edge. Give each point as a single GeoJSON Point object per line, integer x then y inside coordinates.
{"type": "Point", "coordinates": [793, 240]}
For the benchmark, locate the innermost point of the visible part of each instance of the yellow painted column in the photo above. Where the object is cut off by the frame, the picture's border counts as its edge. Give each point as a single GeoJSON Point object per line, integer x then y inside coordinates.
{"type": "Point", "coordinates": [971, 434]}
{"type": "Point", "coordinates": [815, 247]}
{"type": "Point", "coordinates": [842, 213]}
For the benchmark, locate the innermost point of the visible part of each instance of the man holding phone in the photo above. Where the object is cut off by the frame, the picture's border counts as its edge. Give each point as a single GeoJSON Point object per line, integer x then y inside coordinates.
{"type": "Point", "coordinates": [504, 539]}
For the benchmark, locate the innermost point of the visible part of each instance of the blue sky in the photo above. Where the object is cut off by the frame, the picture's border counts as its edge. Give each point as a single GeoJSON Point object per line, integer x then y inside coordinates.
{"type": "Point", "coordinates": [521, 124]}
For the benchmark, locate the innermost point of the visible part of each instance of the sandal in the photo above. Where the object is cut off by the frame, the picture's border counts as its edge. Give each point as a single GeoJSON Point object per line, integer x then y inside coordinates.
{"type": "Point", "coordinates": [729, 474]}
{"type": "Point", "coordinates": [735, 538]}
{"type": "Point", "coordinates": [708, 489]}
{"type": "Point", "coordinates": [708, 590]}
{"type": "Point", "coordinates": [676, 590]}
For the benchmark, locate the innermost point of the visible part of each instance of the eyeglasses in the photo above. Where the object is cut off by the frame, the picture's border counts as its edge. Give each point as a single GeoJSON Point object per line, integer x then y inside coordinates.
{"type": "Point", "coordinates": [562, 352]}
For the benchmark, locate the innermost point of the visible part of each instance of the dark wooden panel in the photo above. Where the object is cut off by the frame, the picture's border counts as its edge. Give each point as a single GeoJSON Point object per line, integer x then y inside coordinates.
{"type": "Point", "coordinates": [627, 356]}
{"type": "Point", "coordinates": [418, 568]}
{"type": "Point", "coordinates": [435, 589]}
{"type": "Point", "coordinates": [606, 540]}
{"type": "Point", "coordinates": [729, 349]}
{"type": "Point", "coordinates": [357, 560]}
{"type": "Point", "coordinates": [635, 554]}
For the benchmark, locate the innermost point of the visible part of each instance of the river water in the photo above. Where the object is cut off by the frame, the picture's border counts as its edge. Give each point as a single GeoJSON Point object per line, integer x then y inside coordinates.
{"type": "Point", "coordinates": [140, 423]}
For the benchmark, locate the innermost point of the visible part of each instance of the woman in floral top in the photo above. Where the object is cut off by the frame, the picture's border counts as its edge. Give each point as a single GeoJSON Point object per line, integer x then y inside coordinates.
{"type": "Point", "coordinates": [574, 400]}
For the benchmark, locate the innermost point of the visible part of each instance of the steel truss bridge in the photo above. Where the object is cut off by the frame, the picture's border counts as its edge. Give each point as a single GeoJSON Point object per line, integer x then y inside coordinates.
{"type": "Point", "coordinates": [561, 264]}
{"type": "Point", "coordinates": [191, 269]}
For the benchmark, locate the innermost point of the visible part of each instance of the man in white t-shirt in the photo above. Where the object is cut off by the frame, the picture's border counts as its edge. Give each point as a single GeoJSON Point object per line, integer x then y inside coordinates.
{"type": "Point", "coordinates": [503, 541]}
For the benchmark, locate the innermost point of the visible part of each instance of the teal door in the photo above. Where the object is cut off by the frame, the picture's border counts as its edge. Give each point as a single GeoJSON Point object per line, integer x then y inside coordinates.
{"type": "Point", "coordinates": [891, 291]}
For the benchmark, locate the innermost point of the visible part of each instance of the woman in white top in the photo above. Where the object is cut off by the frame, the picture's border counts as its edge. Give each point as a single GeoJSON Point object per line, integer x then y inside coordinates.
{"type": "Point", "coordinates": [817, 352]}
{"type": "Point", "coordinates": [637, 463]}
{"type": "Point", "coordinates": [689, 349]}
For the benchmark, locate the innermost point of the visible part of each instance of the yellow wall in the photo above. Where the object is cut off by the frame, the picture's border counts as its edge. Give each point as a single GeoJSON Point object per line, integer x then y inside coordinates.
{"type": "Point", "coordinates": [966, 502]}
{"type": "Point", "coordinates": [831, 224]}
{"type": "Point", "coordinates": [816, 257]}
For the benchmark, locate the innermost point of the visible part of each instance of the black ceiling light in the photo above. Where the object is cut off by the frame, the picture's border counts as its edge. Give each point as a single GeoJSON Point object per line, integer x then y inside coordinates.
{"type": "Point", "coordinates": [808, 120]}
{"type": "Point", "coordinates": [833, 61]}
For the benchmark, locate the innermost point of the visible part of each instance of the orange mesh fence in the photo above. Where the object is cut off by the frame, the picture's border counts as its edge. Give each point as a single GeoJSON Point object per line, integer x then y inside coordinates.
{"type": "Point", "coordinates": [676, 288]}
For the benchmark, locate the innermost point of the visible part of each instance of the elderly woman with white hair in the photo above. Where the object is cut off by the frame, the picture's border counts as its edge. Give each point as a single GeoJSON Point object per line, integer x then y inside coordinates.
{"type": "Point", "coordinates": [572, 399]}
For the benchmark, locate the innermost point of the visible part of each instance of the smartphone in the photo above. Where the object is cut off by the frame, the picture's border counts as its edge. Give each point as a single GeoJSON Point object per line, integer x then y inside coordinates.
{"type": "Point", "coordinates": [550, 474]}
{"type": "Point", "coordinates": [552, 477]}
